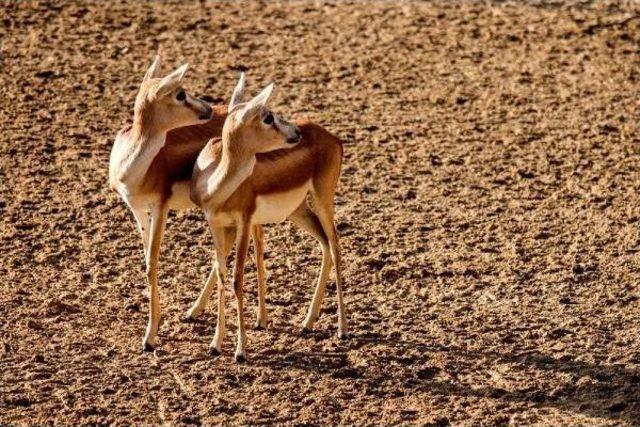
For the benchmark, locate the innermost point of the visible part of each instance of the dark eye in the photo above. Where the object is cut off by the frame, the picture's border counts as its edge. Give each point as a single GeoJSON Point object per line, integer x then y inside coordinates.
{"type": "Point", "coordinates": [181, 96]}
{"type": "Point", "coordinates": [268, 119]}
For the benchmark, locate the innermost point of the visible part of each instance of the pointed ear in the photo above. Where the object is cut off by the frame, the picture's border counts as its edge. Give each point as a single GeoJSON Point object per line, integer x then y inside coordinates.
{"type": "Point", "coordinates": [154, 69]}
{"type": "Point", "coordinates": [254, 106]}
{"type": "Point", "coordinates": [238, 92]}
{"type": "Point", "coordinates": [171, 82]}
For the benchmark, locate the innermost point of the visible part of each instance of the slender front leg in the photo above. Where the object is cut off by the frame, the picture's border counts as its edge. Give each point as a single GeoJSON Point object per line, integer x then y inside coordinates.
{"type": "Point", "coordinates": [258, 243]}
{"type": "Point", "coordinates": [158, 221]}
{"type": "Point", "coordinates": [242, 243]}
{"type": "Point", "coordinates": [220, 270]}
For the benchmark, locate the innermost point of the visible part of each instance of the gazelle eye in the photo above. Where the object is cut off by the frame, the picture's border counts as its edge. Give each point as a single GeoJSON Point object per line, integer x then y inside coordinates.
{"type": "Point", "coordinates": [181, 96]}
{"type": "Point", "coordinates": [268, 119]}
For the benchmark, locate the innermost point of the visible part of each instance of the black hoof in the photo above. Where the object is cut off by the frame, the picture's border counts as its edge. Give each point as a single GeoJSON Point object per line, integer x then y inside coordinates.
{"type": "Point", "coordinates": [306, 331]}
{"type": "Point", "coordinates": [213, 352]}
{"type": "Point", "coordinates": [342, 335]}
{"type": "Point", "coordinates": [148, 348]}
{"type": "Point", "coordinates": [240, 358]}
{"type": "Point", "coordinates": [259, 327]}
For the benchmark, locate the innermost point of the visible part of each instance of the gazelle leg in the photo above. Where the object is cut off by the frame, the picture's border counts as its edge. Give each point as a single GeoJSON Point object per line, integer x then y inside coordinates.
{"type": "Point", "coordinates": [205, 294]}
{"type": "Point", "coordinates": [306, 219]}
{"type": "Point", "coordinates": [324, 210]}
{"type": "Point", "coordinates": [158, 221]}
{"type": "Point", "coordinates": [142, 220]}
{"type": "Point", "coordinates": [258, 243]}
{"type": "Point", "coordinates": [223, 247]}
{"type": "Point", "coordinates": [242, 245]}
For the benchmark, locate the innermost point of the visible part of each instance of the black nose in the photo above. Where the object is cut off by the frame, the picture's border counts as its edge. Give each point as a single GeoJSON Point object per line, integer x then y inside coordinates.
{"type": "Point", "coordinates": [295, 138]}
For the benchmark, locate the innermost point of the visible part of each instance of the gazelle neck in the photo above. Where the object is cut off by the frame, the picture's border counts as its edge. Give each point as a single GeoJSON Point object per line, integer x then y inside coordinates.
{"type": "Point", "coordinates": [234, 167]}
{"type": "Point", "coordinates": [146, 144]}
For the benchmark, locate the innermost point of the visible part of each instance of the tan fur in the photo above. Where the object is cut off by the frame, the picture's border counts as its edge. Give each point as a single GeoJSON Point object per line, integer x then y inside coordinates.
{"type": "Point", "coordinates": [318, 153]}
{"type": "Point", "coordinates": [253, 161]}
{"type": "Point", "coordinates": [143, 169]}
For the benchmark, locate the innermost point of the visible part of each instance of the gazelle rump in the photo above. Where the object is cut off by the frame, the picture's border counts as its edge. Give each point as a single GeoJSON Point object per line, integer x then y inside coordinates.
{"type": "Point", "coordinates": [262, 172]}
{"type": "Point", "coordinates": [152, 176]}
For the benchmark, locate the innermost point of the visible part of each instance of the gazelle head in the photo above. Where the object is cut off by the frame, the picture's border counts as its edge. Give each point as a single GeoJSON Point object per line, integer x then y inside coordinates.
{"type": "Point", "coordinates": [162, 104]}
{"type": "Point", "coordinates": [252, 127]}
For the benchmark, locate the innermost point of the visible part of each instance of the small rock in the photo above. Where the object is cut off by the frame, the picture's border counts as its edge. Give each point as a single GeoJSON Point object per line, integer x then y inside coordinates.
{"type": "Point", "coordinates": [56, 307]}
{"type": "Point", "coordinates": [525, 174]}
{"type": "Point", "coordinates": [134, 307]}
{"type": "Point", "coordinates": [45, 74]}
{"type": "Point", "coordinates": [347, 373]}
{"type": "Point", "coordinates": [578, 269]}
{"type": "Point", "coordinates": [24, 402]}
{"type": "Point", "coordinates": [32, 324]}
{"type": "Point", "coordinates": [343, 226]}
{"type": "Point", "coordinates": [428, 373]}
{"type": "Point", "coordinates": [439, 422]}
{"type": "Point", "coordinates": [617, 407]}
{"type": "Point", "coordinates": [557, 333]}
{"type": "Point", "coordinates": [565, 300]}
{"type": "Point", "coordinates": [410, 195]}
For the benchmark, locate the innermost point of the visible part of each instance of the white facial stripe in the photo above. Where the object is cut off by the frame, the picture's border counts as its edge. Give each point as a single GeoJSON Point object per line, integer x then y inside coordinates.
{"type": "Point", "coordinates": [194, 104]}
{"type": "Point", "coordinates": [286, 128]}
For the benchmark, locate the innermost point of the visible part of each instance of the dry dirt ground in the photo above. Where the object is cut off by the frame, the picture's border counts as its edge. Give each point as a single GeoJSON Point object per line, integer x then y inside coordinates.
{"type": "Point", "coordinates": [489, 210]}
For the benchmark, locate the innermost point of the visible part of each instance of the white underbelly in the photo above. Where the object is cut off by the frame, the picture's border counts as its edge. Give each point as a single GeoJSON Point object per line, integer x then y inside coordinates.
{"type": "Point", "coordinates": [277, 207]}
{"type": "Point", "coordinates": [180, 196]}
{"type": "Point", "coordinates": [135, 200]}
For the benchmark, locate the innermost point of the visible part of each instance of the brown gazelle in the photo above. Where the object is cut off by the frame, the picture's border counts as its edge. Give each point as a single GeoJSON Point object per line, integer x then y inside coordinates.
{"type": "Point", "coordinates": [262, 173]}
{"type": "Point", "coordinates": [153, 176]}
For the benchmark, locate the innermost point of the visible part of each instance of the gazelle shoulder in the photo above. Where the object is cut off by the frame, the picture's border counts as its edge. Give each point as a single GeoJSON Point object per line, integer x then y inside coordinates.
{"type": "Point", "coordinates": [209, 155]}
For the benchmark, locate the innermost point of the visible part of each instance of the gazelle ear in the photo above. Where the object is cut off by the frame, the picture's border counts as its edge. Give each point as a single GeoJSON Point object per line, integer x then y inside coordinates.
{"type": "Point", "coordinates": [172, 81]}
{"type": "Point", "coordinates": [154, 69]}
{"type": "Point", "coordinates": [238, 92]}
{"type": "Point", "coordinates": [254, 106]}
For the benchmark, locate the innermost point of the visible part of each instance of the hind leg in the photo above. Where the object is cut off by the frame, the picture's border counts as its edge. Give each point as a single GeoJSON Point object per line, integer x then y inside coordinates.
{"type": "Point", "coordinates": [306, 219]}
{"type": "Point", "coordinates": [258, 243]}
{"type": "Point", "coordinates": [203, 299]}
{"type": "Point", "coordinates": [323, 203]}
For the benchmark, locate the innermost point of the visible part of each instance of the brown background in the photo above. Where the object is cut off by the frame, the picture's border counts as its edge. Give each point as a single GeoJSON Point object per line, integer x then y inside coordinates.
{"type": "Point", "coordinates": [488, 209]}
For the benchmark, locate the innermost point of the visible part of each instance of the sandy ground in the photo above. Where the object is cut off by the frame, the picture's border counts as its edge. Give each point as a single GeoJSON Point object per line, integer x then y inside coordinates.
{"type": "Point", "coordinates": [489, 209]}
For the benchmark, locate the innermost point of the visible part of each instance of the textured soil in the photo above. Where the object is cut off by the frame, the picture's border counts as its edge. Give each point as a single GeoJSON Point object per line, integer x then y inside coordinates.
{"type": "Point", "coordinates": [489, 210]}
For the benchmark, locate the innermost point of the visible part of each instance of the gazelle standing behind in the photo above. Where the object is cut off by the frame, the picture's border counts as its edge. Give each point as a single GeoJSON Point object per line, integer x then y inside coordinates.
{"type": "Point", "coordinates": [236, 192]}
{"type": "Point", "coordinates": [153, 177]}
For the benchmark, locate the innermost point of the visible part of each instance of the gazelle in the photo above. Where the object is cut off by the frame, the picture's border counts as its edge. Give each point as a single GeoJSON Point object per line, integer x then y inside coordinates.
{"type": "Point", "coordinates": [261, 173]}
{"type": "Point", "coordinates": [152, 175]}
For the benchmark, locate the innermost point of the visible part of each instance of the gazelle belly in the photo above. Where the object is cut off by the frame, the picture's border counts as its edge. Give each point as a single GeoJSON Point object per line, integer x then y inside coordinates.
{"type": "Point", "coordinates": [180, 196]}
{"type": "Point", "coordinates": [276, 207]}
